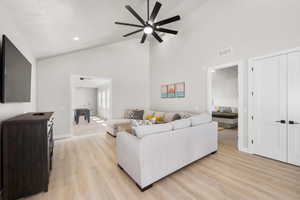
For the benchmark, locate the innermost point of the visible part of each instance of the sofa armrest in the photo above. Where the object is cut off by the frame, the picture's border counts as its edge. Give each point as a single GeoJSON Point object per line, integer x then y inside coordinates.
{"type": "Point", "coordinates": [128, 155]}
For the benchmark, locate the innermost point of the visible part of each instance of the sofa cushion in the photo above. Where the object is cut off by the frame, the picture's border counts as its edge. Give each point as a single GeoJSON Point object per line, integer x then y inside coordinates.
{"type": "Point", "coordinates": [201, 119]}
{"type": "Point", "coordinates": [169, 117]}
{"type": "Point", "coordinates": [142, 131]}
{"type": "Point", "coordinates": [180, 124]}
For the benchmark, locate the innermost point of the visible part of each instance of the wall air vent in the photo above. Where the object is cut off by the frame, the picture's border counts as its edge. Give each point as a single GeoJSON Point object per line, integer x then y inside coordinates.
{"type": "Point", "coordinates": [226, 51]}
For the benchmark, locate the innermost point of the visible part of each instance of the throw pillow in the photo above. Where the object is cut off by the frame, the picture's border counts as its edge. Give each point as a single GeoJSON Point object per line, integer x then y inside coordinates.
{"type": "Point", "coordinates": [126, 114]}
{"type": "Point", "coordinates": [169, 117]}
{"type": "Point", "coordinates": [159, 119]}
{"type": "Point", "coordinates": [148, 113]}
{"type": "Point", "coordinates": [134, 114]}
{"type": "Point", "coordinates": [185, 115]}
{"type": "Point", "coordinates": [225, 109]}
{"type": "Point", "coordinates": [148, 117]}
{"type": "Point", "coordinates": [176, 117]}
{"type": "Point", "coordinates": [159, 114]}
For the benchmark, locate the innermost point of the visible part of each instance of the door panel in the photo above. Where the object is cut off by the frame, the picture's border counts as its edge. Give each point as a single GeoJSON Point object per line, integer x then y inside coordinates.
{"type": "Point", "coordinates": [294, 108]}
{"type": "Point", "coordinates": [270, 105]}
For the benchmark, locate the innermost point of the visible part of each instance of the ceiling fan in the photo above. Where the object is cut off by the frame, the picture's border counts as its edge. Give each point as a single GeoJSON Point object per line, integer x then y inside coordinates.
{"type": "Point", "coordinates": [150, 26]}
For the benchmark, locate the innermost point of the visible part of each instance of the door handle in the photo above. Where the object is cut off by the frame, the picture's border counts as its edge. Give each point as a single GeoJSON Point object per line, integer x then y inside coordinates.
{"type": "Point", "coordinates": [292, 122]}
{"type": "Point", "coordinates": [281, 121]}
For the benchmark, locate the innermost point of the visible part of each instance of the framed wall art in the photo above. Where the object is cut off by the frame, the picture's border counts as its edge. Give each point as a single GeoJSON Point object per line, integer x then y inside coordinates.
{"type": "Point", "coordinates": [171, 91]}
{"type": "Point", "coordinates": [180, 90]}
{"type": "Point", "coordinates": [164, 91]}
{"type": "Point", "coordinates": [176, 90]}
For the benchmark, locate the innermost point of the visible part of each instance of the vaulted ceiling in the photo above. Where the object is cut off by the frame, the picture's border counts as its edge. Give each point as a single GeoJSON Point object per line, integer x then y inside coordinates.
{"type": "Point", "coordinates": [49, 26]}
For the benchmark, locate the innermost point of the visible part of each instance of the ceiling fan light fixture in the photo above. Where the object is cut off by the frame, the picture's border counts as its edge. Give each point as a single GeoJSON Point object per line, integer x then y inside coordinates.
{"type": "Point", "coordinates": [148, 30]}
{"type": "Point", "coordinates": [150, 26]}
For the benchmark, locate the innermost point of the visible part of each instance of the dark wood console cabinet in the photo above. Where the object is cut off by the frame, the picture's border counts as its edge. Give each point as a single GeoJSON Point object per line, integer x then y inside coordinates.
{"type": "Point", "coordinates": [27, 150]}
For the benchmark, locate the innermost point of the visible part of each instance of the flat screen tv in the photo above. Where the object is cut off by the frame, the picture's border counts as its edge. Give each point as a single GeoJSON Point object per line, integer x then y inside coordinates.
{"type": "Point", "coordinates": [15, 74]}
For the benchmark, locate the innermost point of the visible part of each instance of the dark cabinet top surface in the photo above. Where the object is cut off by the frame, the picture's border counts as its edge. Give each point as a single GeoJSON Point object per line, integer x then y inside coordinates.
{"type": "Point", "coordinates": [45, 116]}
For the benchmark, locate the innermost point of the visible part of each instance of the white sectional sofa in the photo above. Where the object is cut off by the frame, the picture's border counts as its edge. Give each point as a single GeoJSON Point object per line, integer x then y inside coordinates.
{"type": "Point", "coordinates": [112, 126]}
{"type": "Point", "coordinates": [159, 150]}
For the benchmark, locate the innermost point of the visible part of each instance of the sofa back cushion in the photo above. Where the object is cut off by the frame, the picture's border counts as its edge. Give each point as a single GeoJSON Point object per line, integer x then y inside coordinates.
{"type": "Point", "coordinates": [142, 131]}
{"type": "Point", "coordinates": [181, 124]}
{"type": "Point", "coordinates": [201, 119]}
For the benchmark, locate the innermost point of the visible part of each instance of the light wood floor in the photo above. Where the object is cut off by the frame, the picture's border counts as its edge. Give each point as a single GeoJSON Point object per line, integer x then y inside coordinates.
{"type": "Point", "coordinates": [85, 128]}
{"type": "Point", "coordinates": [85, 168]}
{"type": "Point", "coordinates": [228, 137]}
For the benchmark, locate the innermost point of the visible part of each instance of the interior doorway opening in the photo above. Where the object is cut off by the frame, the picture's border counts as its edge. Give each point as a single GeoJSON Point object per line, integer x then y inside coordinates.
{"type": "Point", "coordinates": [90, 104]}
{"type": "Point", "coordinates": [227, 102]}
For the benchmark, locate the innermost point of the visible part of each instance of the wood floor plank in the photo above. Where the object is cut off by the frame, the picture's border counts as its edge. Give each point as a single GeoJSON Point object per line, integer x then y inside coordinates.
{"type": "Point", "coordinates": [85, 168]}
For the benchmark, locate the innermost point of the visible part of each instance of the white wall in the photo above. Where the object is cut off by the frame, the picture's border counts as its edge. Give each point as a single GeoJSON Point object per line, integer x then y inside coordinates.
{"type": "Point", "coordinates": [225, 87]}
{"type": "Point", "coordinates": [125, 63]}
{"type": "Point", "coordinates": [252, 28]}
{"type": "Point", "coordinates": [7, 27]}
{"type": "Point", "coordinates": [104, 106]}
{"type": "Point", "coordinates": [85, 98]}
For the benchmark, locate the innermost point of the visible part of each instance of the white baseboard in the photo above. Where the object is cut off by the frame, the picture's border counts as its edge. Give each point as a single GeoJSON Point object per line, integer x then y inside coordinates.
{"type": "Point", "coordinates": [69, 136]}
{"type": "Point", "coordinates": [60, 137]}
{"type": "Point", "coordinates": [245, 150]}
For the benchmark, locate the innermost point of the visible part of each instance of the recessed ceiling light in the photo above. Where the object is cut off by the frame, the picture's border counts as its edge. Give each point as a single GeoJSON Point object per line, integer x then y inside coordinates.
{"type": "Point", "coordinates": [76, 38]}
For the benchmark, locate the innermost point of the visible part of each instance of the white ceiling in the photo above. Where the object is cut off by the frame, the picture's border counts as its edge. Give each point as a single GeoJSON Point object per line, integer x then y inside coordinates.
{"type": "Point", "coordinates": [49, 25]}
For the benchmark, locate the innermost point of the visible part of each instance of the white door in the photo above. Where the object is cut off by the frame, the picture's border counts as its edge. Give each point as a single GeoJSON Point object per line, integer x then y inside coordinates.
{"type": "Point", "coordinates": [270, 107]}
{"type": "Point", "coordinates": [294, 108]}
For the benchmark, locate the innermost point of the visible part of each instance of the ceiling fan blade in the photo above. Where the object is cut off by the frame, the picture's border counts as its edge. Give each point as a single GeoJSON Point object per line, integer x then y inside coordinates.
{"type": "Point", "coordinates": [157, 36]}
{"type": "Point", "coordinates": [126, 24]}
{"type": "Point", "coordinates": [164, 30]}
{"type": "Point", "coordinates": [148, 10]}
{"type": "Point", "coordinates": [134, 32]}
{"type": "Point", "coordinates": [144, 38]}
{"type": "Point", "coordinates": [167, 21]}
{"type": "Point", "coordinates": [135, 14]}
{"type": "Point", "coordinates": [155, 11]}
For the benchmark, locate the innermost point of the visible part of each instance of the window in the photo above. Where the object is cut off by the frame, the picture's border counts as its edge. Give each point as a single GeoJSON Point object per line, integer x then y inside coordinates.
{"type": "Point", "coordinates": [108, 99]}
{"type": "Point", "coordinates": [104, 99]}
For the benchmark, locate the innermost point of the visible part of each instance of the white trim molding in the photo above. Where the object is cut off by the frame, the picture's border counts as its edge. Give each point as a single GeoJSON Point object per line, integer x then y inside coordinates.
{"type": "Point", "coordinates": [288, 51]}
{"type": "Point", "coordinates": [243, 100]}
{"type": "Point", "coordinates": [61, 137]}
